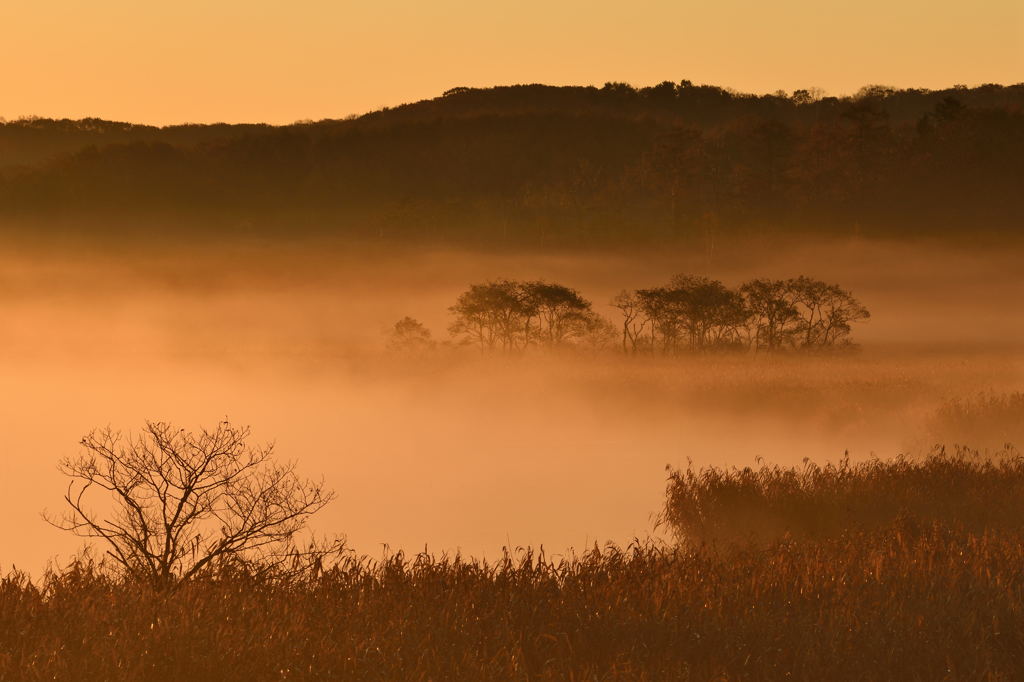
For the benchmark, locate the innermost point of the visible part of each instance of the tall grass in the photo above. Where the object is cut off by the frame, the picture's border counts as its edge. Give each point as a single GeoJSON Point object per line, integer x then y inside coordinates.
{"type": "Point", "coordinates": [927, 585]}
{"type": "Point", "coordinates": [960, 489]}
{"type": "Point", "coordinates": [990, 418]}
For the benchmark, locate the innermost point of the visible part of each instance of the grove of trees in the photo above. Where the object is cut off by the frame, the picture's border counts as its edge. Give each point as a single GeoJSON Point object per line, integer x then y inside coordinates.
{"type": "Point", "coordinates": [510, 316]}
{"type": "Point", "coordinates": [697, 314]}
{"type": "Point", "coordinates": [688, 314]}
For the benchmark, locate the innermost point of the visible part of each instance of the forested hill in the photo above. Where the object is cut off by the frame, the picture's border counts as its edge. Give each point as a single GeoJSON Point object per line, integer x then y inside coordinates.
{"type": "Point", "coordinates": [537, 164]}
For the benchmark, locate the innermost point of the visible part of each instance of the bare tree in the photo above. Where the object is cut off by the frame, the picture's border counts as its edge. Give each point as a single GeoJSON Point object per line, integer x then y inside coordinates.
{"type": "Point", "coordinates": [179, 502]}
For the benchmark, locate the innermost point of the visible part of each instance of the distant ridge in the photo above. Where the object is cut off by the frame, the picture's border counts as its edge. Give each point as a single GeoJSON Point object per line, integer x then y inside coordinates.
{"type": "Point", "coordinates": [545, 164]}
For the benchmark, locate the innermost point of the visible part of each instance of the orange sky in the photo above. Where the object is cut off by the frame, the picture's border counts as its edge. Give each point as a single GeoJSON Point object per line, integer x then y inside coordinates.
{"type": "Point", "coordinates": [163, 61]}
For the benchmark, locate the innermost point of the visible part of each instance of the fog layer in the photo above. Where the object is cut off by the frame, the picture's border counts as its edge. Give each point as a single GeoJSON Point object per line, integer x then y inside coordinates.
{"type": "Point", "coordinates": [456, 451]}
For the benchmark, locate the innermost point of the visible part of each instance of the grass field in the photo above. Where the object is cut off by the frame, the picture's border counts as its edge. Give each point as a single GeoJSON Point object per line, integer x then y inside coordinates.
{"type": "Point", "coordinates": [905, 570]}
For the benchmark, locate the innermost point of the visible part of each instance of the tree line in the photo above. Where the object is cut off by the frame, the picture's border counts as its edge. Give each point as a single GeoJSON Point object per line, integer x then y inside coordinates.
{"type": "Point", "coordinates": [541, 165]}
{"type": "Point", "coordinates": [690, 314]}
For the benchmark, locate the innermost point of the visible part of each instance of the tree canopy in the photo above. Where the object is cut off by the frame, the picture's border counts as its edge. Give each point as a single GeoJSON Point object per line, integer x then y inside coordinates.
{"type": "Point", "coordinates": [688, 314]}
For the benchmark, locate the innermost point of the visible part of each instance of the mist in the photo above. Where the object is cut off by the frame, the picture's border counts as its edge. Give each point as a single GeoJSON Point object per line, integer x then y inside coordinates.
{"type": "Point", "coordinates": [458, 451]}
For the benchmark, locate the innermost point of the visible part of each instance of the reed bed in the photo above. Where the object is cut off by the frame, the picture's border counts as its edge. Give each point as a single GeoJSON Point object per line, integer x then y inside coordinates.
{"type": "Point", "coordinates": [990, 418]}
{"type": "Point", "coordinates": [915, 594]}
{"type": "Point", "coordinates": [962, 489]}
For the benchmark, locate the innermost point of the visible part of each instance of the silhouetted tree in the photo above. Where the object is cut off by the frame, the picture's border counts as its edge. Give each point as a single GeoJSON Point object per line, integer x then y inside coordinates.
{"type": "Point", "coordinates": [826, 312]}
{"type": "Point", "coordinates": [839, 311]}
{"type": "Point", "coordinates": [597, 333]}
{"type": "Point", "coordinates": [176, 502]}
{"type": "Point", "coordinates": [699, 314]}
{"type": "Point", "coordinates": [710, 314]}
{"type": "Point", "coordinates": [801, 313]}
{"type": "Point", "coordinates": [408, 335]}
{"type": "Point", "coordinates": [513, 315]}
{"type": "Point", "coordinates": [634, 321]}
{"type": "Point", "coordinates": [775, 318]}
{"type": "Point", "coordinates": [691, 313]}
{"type": "Point", "coordinates": [494, 315]}
{"type": "Point", "coordinates": [561, 313]}
{"type": "Point", "coordinates": [808, 295]}
{"type": "Point", "coordinates": [659, 305]}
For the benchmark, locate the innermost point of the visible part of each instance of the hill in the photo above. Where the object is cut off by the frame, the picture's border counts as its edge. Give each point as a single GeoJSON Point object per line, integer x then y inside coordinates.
{"type": "Point", "coordinates": [541, 165]}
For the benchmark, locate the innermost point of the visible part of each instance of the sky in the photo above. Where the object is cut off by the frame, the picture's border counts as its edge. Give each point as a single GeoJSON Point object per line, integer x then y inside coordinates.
{"type": "Point", "coordinates": [278, 61]}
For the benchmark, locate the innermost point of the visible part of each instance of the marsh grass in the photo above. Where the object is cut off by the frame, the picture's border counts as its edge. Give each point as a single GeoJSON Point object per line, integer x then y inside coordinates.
{"type": "Point", "coordinates": [962, 489]}
{"type": "Point", "coordinates": [911, 571]}
{"type": "Point", "coordinates": [990, 418]}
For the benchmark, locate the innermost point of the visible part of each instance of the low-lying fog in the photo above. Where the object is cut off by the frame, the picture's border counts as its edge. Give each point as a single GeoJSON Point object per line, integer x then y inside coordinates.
{"type": "Point", "coordinates": [459, 451]}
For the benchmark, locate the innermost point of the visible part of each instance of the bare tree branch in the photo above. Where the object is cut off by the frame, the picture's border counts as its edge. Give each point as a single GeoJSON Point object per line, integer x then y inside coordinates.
{"type": "Point", "coordinates": [178, 503]}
